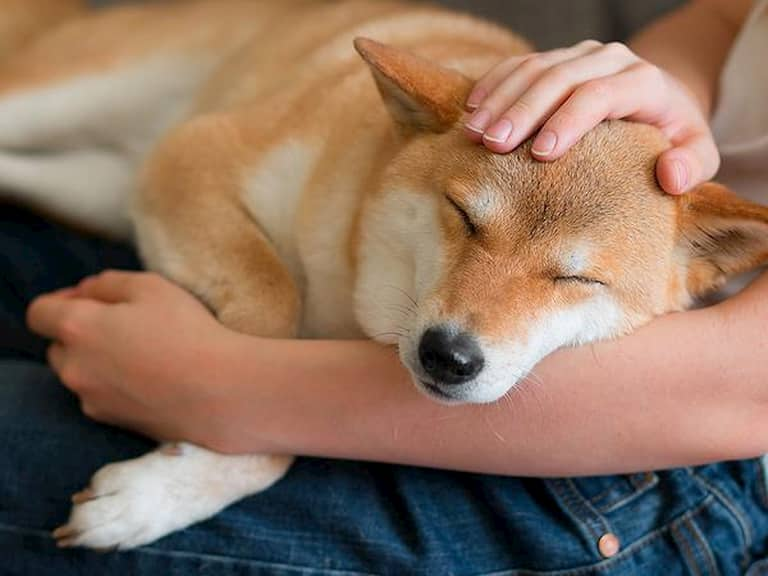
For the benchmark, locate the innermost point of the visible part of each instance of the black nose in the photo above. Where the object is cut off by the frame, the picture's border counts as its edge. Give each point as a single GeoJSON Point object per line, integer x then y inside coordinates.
{"type": "Point", "coordinates": [450, 357]}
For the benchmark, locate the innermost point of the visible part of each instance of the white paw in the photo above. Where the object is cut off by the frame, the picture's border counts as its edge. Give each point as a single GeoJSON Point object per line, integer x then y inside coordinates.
{"type": "Point", "coordinates": [133, 503]}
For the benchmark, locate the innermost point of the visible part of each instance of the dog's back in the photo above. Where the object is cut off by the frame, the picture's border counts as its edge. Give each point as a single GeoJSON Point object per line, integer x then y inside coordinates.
{"type": "Point", "coordinates": [99, 93]}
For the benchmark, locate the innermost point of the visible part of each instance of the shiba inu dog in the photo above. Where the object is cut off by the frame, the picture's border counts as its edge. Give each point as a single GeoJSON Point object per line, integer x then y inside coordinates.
{"type": "Point", "coordinates": [301, 187]}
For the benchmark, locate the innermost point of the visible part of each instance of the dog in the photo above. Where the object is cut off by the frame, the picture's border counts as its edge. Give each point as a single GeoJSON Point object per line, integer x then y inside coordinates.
{"type": "Point", "coordinates": [305, 180]}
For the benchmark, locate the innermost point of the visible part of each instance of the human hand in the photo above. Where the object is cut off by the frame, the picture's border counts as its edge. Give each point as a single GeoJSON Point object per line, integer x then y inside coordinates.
{"type": "Point", "coordinates": [138, 351]}
{"type": "Point", "coordinates": [562, 94]}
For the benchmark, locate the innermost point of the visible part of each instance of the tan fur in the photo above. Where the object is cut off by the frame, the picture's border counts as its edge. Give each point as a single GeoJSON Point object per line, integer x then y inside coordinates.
{"type": "Point", "coordinates": [25, 19]}
{"type": "Point", "coordinates": [298, 191]}
{"type": "Point", "coordinates": [286, 72]}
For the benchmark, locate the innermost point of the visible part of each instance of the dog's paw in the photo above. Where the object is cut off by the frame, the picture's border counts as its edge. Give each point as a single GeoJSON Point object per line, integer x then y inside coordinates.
{"type": "Point", "coordinates": [132, 503]}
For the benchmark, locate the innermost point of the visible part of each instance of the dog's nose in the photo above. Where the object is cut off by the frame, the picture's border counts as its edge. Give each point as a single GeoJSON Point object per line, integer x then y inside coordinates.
{"type": "Point", "coordinates": [450, 357]}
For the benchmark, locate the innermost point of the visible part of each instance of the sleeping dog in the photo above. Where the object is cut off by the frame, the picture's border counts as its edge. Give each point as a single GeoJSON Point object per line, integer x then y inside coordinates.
{"type": "Point", "coordinates": [304, 180]}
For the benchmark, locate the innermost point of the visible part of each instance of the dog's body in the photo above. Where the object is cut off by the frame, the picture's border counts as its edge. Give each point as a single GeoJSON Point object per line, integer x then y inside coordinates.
{"type": "Point", "coordinates": [266, 176]}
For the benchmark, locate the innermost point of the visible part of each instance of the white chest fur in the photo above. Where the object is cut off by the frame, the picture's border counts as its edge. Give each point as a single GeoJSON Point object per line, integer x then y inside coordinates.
{"type": "Point", "coordinates": [308, 227]}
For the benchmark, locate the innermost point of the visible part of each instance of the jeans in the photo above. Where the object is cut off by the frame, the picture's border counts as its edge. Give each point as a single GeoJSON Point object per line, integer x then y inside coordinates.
{"type": "Point", "coordinates": [337, 517]}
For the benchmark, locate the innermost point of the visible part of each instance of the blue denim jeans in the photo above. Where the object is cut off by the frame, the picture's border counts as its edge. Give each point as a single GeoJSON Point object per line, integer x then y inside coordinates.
{"type": "Point", "coordinates": [336, 517]}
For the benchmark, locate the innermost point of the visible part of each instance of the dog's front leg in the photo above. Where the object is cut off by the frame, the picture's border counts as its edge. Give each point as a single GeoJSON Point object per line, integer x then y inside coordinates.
{"type": "Point", "coordinates": [192, 229]}
{"type": "Point", "coordinates": [135, 502]}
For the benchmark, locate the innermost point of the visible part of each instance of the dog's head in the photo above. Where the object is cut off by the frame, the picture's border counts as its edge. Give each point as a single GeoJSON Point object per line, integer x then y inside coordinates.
{"type": "Point", "coordinates": [478, 265]}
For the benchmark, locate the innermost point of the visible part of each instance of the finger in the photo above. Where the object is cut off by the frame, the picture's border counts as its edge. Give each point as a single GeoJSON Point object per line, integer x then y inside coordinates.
{"type": "Point", "coordinates": [69, 292]}
{"type": "Point", "coordinates": [496, 75]}
{"type": "Point", "coordinates": [544, 97]}
{"type": "Point", "coordinates": [505, 85]}
{"type": "Point", "coordinates": [490, 80]}
{"type": "Point", "coordinates": [58, 317]}
{"type": "Point", "coordinates": [617, 96]}
{"type": "Point", "coordinates": [687, 165]}
{"type": "Point", "coordinates": [56, 355]}
{"type": "Point", "coordinates": [111, 286]}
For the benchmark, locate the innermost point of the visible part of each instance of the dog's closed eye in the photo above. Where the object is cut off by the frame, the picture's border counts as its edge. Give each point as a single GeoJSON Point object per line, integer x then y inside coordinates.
{"type": "Point", "coordinates": [580, 280]}
{"type": "Point", "coordinates": [468, 223]}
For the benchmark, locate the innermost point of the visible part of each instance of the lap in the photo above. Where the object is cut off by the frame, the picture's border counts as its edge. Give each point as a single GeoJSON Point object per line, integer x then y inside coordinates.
{"type": "Point", "coordinates": [336, 517]}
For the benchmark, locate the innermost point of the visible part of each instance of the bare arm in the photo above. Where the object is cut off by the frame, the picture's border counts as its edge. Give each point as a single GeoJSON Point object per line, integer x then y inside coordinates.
{"type": "Point", "coordinates": [682, 391]}
{"type": "Point", "coordinates": [141, 353]}
{"type": "Point", "coordinates": [692, 43]}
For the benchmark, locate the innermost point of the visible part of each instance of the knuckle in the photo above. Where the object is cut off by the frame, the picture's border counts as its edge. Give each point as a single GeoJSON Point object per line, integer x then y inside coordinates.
{"type": "Point", "coordinates": [559, 74]}
{"type": "Point", "coordinates": [71, 327]}
{"type": "Point", "coordinates": [617, 50]}
{"type": "Point", "coordinates": [563, 122]}
{"type": "Point", "coordinates": [153, 280]}
{"type": "Point", "coordinates": [599, 89]}
{"type": "Point", "coordinates": [107, 275]}
{"type": "Point", "coordinates": [589, 44]}
{"type": "Point", "coordinates": [651, 73]}
{"type": "Point", "coordinates": [90, 410]}
{"type": "Point", "coordinates": [534, 65]}
{"type": "Point", "coordinates": [71, 376]}
{"type": "Point", "coordinates": [520, 109]}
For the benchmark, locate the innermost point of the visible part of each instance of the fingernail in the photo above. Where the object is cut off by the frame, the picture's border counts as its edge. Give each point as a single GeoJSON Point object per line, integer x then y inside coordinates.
{"type": "Point", "coordinates": [680, 175]}
{"type": "Point", "coordinates": [544, 144]}
{"type": "Point", "coordinates": [499, 132]}
{"type": "Point", "coordinates": [475, 98]}
{"type": "Point", "coordinates": [479, 121]}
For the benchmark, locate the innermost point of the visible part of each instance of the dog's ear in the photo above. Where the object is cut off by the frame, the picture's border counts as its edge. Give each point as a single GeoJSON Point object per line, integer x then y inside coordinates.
{"type": "Point", "coordinates": [720, 235]}
{"type": "Point", "coordinates": [419, 94]}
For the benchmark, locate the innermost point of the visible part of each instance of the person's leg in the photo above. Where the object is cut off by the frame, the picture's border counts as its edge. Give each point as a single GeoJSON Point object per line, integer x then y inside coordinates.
{"type": "Point", "coordinates": [335, 517]}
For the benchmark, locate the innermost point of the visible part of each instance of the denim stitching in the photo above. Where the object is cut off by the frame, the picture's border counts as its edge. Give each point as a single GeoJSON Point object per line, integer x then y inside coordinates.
{"type": "Point", "coordinates": [610, 563]}
{"type": "Point", "coordinates": [649, 480]}
{"type": "Point", "coordinates": [639, 491]}
{"type": "Point", "coordinates": [575, 503]}
{"type": "Point", "coordinates": [763, 483]}
{"type": "Point", "coordinates": [704, 545]}
{"type": "Point", "coordinates": [681, 539]}
{"type": "Point", "coordinates": [739, 516]}
{"type": "Point", "coordinates": [623, 556]}
{"type": "Point", "coordinates": [199, 556]}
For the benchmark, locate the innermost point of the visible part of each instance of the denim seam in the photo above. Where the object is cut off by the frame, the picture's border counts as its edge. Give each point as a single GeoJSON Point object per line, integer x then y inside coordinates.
{"type": "Point", "coordinates": [150, 551]}
{"type": "Point", "coordinates": [623, 556]}
{"type": "Point", "coordinates": [736, 512]}
{"type": "Point", "coordinates": [763, 484]}
{"type": "Point", "coordinates": [580, 510]}
{"type": "Point", "coordinates": [705, 547]}
{"type": "Point", "coordinates": [681, 539]}
{"type": "Point", "coordinates": [639, 491]}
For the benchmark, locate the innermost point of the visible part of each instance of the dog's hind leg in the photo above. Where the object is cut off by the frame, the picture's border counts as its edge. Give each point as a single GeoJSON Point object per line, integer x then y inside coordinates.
{"type": "Point", "coordinates": [96, 108]}
{"type": "Point", "coordinates": [72, 148]}
{"type": "Point", "coordinates": [191, 228]}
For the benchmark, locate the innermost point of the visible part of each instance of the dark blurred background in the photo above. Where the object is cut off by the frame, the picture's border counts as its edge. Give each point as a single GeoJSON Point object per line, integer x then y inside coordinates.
{"type": "Point", "coordinates": [551, 23]}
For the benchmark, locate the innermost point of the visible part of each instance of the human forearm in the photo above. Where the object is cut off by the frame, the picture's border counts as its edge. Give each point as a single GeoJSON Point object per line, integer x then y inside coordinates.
{"type": "Point", "coordinates": [692, 43]}
{"type": "Point", "coordinates": [143, 354]}
{"type": "Point", "coordinates": [662, 397]}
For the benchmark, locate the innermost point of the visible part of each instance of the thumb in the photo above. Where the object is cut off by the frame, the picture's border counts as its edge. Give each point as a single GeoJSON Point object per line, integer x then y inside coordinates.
{"type": "Point", "coordinates": [690, 163]}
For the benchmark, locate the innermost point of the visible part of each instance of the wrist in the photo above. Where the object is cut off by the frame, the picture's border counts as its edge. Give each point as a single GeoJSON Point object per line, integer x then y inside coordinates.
{"type": "Point", "coordinates": [211, 402]}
